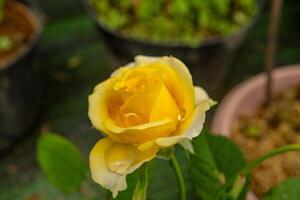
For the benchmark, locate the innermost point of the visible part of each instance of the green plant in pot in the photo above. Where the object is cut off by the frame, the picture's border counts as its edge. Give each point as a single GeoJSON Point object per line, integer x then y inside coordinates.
{"type": "Point", "coordinates": [204, 34]}
{"type": "Point", "coordinates": [176, 21]}
{"type": "Point", "coordinates": [20, 30]}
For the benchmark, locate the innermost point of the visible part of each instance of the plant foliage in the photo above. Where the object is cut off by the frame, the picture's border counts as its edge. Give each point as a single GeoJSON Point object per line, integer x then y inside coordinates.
{"type": "Point", "coordinates": [176, 21]}
{"type": "Point", "coordinates": [216, 161]}
{"type": "Point", "coordinates": [288, 189]}
{"type": "Point", "coordinates": [217, 169]}
{"type": "Point", "coordinates": [61, 161]}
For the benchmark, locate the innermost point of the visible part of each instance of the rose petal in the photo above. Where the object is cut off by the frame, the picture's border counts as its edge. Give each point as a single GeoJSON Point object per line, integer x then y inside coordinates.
{"type": "Point", "coordinates": [110, 162]}
{"type": "Point", "coordinates": [99, 171]}
{"type": "Point", "coordinates": [145, 59]}
{"type": "Point", "coordinates": [192, 128]}
{"type": "Point", "coordinates": [98, 110]}
{"type": "Point", "coordinates": [134, 108]}
{"type": "Point", "coordinates": [200, 94]}
{"type": "Point", "coordinates": [151, 104]}
{"type": "Point", "coordinates": [179, 84]}
{"type": "Point", "coordinates": [177, 79]}
{"type": "Point", "coordinates": [119, 157]}
{"type": "Point", "coordinates": [172, 62]}
{"type": "Point", "coordinates": [141, 133]}
{"type": "Point", "coordinates": [122, 70]}
{"type": "Point", "coordinates": [164, 106]}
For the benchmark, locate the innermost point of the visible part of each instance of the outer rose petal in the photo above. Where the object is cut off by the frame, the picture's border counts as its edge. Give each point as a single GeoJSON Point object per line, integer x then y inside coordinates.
{"type": "Point", "coordinates": [200, 94]}
{"type": "Point", "coordinates": [100, 173]}
{"type": "Point", "coordinates": [110, 162]}
{"type": "Point", "coordinates": [191, 127]}
{"type": "Point", "coordinates": [174, 63]}
{"type": "Point", "coordinates": [193, 130]}
{"type": "Point", "coordinates": [97, 104]}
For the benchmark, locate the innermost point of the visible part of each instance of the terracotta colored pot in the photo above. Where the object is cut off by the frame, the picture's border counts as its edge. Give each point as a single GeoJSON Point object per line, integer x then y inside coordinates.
{"type": "Point", "coordinates": [250, 94]}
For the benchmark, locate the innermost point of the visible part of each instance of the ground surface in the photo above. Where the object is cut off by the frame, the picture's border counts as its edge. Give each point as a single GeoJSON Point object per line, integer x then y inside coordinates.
{"type": "Point", "coordinates": [73, 59]}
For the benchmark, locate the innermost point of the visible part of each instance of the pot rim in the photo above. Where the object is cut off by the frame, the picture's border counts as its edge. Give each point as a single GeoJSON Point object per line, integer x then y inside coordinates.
{"type": "Point", "coordinates": [220, 125]}
{"type": "Point", "coordinates": [207, 42]}
{"type": "Point", "coordinates": [34, 19]}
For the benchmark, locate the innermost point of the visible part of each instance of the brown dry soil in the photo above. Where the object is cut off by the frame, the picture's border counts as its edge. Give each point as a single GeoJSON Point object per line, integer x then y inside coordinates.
{"type": "Point", "coordinates": [269, 128]}
{"type": "Point", "coordinates": [17, 28]}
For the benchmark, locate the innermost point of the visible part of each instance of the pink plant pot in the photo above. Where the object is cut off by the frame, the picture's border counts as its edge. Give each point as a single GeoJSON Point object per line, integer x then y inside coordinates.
{"type": "Point", "coordinates": [248, 96]}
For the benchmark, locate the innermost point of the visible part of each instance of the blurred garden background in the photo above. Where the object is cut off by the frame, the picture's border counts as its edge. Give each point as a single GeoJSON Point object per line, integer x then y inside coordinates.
{"type": "Point", "coordinates": [71, 59]}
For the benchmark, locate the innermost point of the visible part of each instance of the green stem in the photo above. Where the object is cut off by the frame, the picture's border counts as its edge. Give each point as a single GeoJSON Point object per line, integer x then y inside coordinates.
{"type": "Point", "coordinates": [253, 164]}
{"type": "Point", "coordinates": [180, 180]}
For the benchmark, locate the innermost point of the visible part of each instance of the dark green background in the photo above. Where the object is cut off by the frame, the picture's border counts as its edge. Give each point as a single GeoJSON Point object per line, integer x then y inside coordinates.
{"type": "Point", "coordinates": [70, 33]}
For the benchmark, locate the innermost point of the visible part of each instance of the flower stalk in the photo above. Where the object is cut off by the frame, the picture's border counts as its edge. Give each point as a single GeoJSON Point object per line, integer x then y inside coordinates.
{"type": "Point", "coordinates": [179, 176]}
{"type": "Point", "coordinates": [253, 164]}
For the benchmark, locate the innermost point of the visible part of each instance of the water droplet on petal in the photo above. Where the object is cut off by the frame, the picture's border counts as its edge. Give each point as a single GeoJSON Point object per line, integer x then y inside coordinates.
{"type": "Point", "coordinates": [181, 116]}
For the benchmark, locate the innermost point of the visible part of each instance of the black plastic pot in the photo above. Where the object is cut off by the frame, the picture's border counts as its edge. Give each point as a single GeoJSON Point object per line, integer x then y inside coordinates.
{"type": "Point", "coordinates": [207, 61]}
{"type": "Point", "coordinates": [19, 95]}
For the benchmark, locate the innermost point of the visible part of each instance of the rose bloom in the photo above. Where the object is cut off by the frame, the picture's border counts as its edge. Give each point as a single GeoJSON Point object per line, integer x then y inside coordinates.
{"type": "Point", "coordinates": [143, 107]}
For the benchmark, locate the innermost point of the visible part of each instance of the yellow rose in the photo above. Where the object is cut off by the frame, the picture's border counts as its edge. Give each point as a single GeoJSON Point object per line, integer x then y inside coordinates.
{"type": "Point", "coordinates": [144, 106]}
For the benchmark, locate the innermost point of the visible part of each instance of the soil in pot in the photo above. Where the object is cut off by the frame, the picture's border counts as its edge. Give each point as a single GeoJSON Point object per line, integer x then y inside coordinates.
{"type": "Point", "coordinates": [268, 128]}
{"type": "Point", "coordinates": [16, 31]}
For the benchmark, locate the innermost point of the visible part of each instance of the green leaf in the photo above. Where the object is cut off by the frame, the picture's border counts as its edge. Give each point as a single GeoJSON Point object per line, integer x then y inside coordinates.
{"type": "Point", "coordinates": [179, 8]}
{"type": "Point", "coordinates": [215, 161]}
{"type": "Point", "coordinates": [148, 9]}
{"type": "Point", "coordinates": [102, 6]}
{"type": "Point", "coordinates": [61, 161]}
{"type": "Point", "coordinates": [116, 18]}
{"type": "Point", "coordinates": [204, 17]}
{"type": "Point", "coordinates": [125, 4]}
{"type": "Point", "coordinates": [222, 7]}
{"type": "Point", "coordinates": [227, 155]}
{"type": "Point", "coordinates": [288, 189]}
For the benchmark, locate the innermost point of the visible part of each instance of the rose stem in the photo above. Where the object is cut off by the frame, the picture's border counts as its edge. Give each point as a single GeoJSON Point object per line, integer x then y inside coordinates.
{"type": "Point", "coordinates": [180, 180]}
{"type": "Point", "coordinates": [272, 46]}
